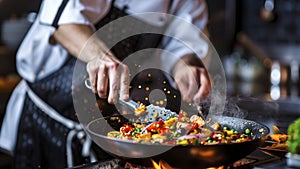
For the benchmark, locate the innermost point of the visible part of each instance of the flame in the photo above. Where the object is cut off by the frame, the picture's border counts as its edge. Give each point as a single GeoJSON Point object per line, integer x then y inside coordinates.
{"type": "Point", "coordinates": [164, 165]}
{"type": "Point", "coordinates": [221, 167]}
{"type": "Point", "coordinates": [161, 165]}
{"type": "Point", "coordinates": [155, 165]}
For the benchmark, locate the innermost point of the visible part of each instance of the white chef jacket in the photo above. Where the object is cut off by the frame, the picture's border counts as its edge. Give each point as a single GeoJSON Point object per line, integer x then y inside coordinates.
{"type": "Point", "coordinates": [37, 58]}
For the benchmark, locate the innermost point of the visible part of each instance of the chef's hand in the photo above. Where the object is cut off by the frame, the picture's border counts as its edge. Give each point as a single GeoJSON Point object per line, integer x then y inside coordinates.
{"type": "Point", "coordinates": [108, 77]}
{"type": "Point", "coordinates": [192, 79]}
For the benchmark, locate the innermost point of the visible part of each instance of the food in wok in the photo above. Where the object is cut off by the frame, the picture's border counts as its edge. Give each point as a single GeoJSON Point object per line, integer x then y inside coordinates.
{"type": "Point", "coordinates": [180, 130]}
{"type": "Point", "coordinates": [179, 155]}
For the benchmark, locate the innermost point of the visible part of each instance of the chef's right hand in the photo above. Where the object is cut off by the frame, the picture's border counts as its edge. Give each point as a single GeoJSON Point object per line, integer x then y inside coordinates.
{"type": "Point", "coordinates": [109, 77]}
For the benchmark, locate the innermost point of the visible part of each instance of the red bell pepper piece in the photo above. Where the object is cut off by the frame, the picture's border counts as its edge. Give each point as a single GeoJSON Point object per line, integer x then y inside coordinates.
{"type": "Point", "coordinates": [126, 129]}
{"type": "Point", "coordinates": [154, 127]}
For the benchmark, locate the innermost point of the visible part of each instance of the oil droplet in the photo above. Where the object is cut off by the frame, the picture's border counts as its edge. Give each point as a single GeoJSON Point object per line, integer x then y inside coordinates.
{"type": "Point", "coordinates": [149, 75]}
{"type": "Point", "coordinates": [147, 88]}
{"type": "Point", "coordinates": [168, 91]}
{"type": "Point", "coordinates": [140, 86]}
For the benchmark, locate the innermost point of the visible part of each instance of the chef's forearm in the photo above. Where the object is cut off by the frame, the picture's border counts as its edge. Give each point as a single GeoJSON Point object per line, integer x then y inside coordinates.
{"type": "Point", "coordinates": [73, 37]}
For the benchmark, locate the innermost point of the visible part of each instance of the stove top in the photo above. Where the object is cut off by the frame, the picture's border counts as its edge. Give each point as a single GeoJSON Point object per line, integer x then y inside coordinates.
{"type": "Point", "coordinates": [256, 160]}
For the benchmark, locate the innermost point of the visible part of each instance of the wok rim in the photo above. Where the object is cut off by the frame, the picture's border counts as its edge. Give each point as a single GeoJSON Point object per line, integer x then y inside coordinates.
{"type": "Point", "coordinates": [265, 134]}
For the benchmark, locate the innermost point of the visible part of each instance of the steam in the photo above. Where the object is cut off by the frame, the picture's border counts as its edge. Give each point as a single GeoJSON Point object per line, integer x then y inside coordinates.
{"type": "Point", "coordinates": [244, 108]}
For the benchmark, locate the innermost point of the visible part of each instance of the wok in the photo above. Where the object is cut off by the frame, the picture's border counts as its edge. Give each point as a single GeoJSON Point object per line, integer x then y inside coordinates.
{"type": "Point", "coordinates": [180, 156]}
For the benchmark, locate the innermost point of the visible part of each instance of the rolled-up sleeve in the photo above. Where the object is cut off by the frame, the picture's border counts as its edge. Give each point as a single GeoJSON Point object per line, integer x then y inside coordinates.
{"type": "Point", "coordinates": [57, 12]}
{"type": "Point", "coordinates": [185, 32]}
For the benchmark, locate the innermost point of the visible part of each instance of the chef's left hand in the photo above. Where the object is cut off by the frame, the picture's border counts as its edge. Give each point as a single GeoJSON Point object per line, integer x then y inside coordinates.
{"type": "Point", "coordinates": [192, 79]}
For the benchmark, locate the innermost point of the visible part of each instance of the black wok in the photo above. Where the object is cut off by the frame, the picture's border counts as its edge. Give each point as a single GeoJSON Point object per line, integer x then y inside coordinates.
{"type": "Point", "coordinates": [180, 156]}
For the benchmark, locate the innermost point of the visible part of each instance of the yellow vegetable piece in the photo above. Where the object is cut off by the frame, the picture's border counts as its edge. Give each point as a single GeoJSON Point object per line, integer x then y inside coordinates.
{"type": "Point", "coordinates": [183, 142]}
{"type": "Point", "coordinates": [145, 135]}
{"type": "Point", "coordinates": [140, 110]}
{"type": "Point", "coordinates": [170, 121]}
{"type": "Point", "coordinates": [158, 136]}
{"type": "Point", "coordinates": [229, 132]}
{"type": "Point", "coordinates": [113, 133]}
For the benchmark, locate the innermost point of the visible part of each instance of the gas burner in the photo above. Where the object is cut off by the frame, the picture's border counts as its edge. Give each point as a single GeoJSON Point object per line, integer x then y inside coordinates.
{"type": "Point", "coordinates": [111, 164]}
{"type": "Point", "coordinates": [256, 158]}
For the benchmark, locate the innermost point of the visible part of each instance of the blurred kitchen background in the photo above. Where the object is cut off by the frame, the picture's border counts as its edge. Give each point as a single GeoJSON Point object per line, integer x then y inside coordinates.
{"type": "Point", "coordinates": [258, 42]}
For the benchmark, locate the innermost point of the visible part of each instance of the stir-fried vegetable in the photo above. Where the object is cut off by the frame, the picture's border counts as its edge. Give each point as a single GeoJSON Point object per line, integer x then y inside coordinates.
{"type": "Point", "coordinates": [181, 130]}
{"type": "Point", "coordinates": [140, 110]}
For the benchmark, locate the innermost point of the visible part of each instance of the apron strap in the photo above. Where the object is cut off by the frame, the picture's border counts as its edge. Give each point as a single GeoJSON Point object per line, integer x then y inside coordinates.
{"type": "Point", "coordinates": [51, 112]}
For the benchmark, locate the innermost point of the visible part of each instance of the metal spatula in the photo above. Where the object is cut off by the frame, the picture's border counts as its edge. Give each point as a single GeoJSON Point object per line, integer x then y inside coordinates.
{"type": "Point", "coordinates": [153, 113]}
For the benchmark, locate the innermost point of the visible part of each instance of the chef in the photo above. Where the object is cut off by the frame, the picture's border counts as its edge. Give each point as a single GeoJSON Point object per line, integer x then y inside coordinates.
{"type": "Point", "coordinates": [40, 114]}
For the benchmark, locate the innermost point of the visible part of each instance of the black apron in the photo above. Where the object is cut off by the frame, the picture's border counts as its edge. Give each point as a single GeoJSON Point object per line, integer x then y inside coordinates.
{"type": "Point", "coordinates": [41, 141]}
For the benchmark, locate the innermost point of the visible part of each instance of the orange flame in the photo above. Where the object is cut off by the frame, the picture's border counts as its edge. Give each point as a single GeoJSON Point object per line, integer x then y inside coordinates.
{"type": "Point", "coordinates": [164, 165]}
{"type": "Point", "coordinates": [161, 165]}
{"type": "Point", "coordinates": [221, 167]}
